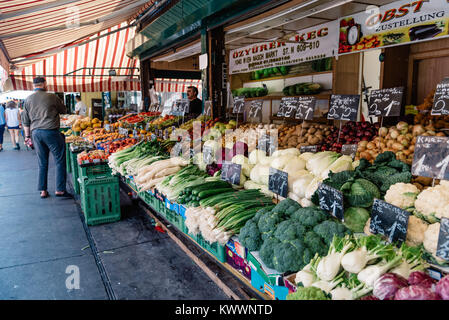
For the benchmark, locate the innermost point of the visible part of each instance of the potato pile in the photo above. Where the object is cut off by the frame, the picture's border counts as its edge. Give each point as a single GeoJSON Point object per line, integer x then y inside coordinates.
{"type": "Point", "coordinates": [312, 134]}
{"type": "Point", "coordinates": [399, 139]}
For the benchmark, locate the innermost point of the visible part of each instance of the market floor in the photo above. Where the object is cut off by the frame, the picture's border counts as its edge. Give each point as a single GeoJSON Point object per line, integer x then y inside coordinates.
{"type": "Point", "coordinates": [46, 247]}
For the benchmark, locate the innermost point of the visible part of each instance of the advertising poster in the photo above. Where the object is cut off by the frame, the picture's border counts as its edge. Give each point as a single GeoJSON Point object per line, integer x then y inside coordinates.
{"type": "Point", "coordinates": [396, 23]}
{"type": "Point", "coordinates": [313, 43]}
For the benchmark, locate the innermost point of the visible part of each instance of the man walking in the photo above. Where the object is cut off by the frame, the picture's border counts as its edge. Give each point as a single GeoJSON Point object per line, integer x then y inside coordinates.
{"type": "Point", "coordinates": [41, 118]}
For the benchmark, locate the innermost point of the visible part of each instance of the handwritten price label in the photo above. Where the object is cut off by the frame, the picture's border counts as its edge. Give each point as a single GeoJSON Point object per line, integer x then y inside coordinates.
{"type": "Point", "coordinates": [344, 107]}
{"type": "Point", "coordinates": [386, 102]}
{"type": "Point", "coordinates": [431, 157]}
{"type": "Point", "coordinates": [389, 220]}
{"type": "Point", "coordinates": [331, 200]}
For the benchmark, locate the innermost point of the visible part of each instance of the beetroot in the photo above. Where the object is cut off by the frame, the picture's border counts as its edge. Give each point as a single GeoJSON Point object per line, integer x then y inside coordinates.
{"type": "Point", "coordinates": [415, 292]}
{"type": "Point", "coordinates": [387, 285]}
{"type": "Point", "coordinates": [442, 288]}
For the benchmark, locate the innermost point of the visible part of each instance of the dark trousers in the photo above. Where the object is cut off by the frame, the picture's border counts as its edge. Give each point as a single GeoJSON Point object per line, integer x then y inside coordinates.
{"type": "Point", "coordinates": [2, 130]}
{"type": "Point", "coordinates": [46, 141]}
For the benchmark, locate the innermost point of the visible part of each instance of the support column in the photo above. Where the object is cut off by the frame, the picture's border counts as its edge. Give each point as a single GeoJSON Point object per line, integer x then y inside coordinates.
{"type": "Point", "coordinates": [204, 72]}
{"type": "Point", "coordinates": [217, 72]}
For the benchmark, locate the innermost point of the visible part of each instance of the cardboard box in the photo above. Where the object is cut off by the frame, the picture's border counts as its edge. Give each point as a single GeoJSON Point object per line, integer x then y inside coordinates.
{"type": "Point", "coordinates": [238, 263]}
{"type": "Point", "coordinates": [275, 292]}
{"type": "Point", "coordinates": [290, 283]}
{"type": "Point", "coordinates": [270, 276]}
{"type": "Point", "coordinates": [236, 247]}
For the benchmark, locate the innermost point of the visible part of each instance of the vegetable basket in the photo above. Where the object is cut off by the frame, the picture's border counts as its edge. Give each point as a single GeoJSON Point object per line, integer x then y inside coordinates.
{"type": "Point", "coordinates": [100, 200]}
{"type": "Point", "coordinates": [75, 171]}
{"type": "Point", "coordinates": [88, 171]}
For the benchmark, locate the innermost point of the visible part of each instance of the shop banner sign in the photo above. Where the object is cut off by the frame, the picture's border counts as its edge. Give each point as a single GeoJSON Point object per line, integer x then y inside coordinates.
{"type": "Point", "coordinates": [313, 43]}
{"type": "Point", "coordinates": [396, 23]}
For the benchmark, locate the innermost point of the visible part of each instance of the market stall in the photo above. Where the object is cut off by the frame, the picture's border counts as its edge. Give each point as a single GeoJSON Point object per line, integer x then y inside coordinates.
{"type": "Point", "coordinates": [327, 175]}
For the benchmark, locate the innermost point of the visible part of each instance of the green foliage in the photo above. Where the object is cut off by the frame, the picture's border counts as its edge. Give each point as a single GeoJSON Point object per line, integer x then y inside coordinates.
{"type": "Point", "coordinates": [360, 193]}
{"type": "Point", "coordinates": [309, 293]}
{"type": "Point", "coordinates": [355, 218]}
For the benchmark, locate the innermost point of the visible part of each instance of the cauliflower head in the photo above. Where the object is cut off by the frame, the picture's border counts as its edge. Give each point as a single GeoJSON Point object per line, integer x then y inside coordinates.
{"type": "Point", "coordinates": [431, 240]}
{"type": "Point", "coordinates": [432, 204]}
{"type": "Point", "coordinates": [402, 195]}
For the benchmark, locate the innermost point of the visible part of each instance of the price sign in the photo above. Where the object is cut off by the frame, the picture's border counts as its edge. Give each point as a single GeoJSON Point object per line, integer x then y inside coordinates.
{"type": "Point", "coordinates": [278, 182]}
{"type": "Point", "coordinates": [443, 240]}
{"type": "Point", "coordinates": [312, 149]}
{"type": "Point", "coordinates": [386, 102]}
{"type": "Point", "coordinates": [349, 150]}
{"type": "Point", "coordinates": [267, 143]}
{"type": "Point", "coordinates": [305, 108]}
{"type": "Point", "coordinates": [441, 100]}
{"type": "Point", "coordinates": [239, 105]}
{"type": "Point", "coordinates": [431, 157]}
{"type": "Point", "coordinates": [288, 107]}
{"type": "Point", "coordinates": [255, 109]}
{"type": "Point", "coordinates": [208, 154]}
{"type": "Point", "coordinates": [230, 172]}
{"type": "Point", "coordinates": [389, 220]}
{"type": "Point", "coordinates": [331, 200]}
{"type": "Point", "coordinates": [344, 107]}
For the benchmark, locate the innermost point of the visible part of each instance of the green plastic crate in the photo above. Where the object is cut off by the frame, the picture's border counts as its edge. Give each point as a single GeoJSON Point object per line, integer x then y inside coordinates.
{"type": "Point", "coordinates": [100, 200]}
{"type": "Point", "coordinates": [93, 171]}
{"type": "Point", "coordinates": [175, 219]}
{"type": "Point", "coordinates": [75, 172]}
{"type": "Point", "coordinates": [67, 158]}
{"type": "Point", "coordinates": [217, 250]}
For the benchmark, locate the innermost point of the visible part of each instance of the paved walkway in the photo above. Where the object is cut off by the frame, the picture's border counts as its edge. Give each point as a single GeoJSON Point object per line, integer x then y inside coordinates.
{"type": "Point", "coordinates": [45, 240]}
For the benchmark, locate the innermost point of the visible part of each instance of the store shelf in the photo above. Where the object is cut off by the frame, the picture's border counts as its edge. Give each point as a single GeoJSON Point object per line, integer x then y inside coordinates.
{"type": "Point", "coordinates": [325, 95]}
{"type": "Point", "coordinates": [290, 76]}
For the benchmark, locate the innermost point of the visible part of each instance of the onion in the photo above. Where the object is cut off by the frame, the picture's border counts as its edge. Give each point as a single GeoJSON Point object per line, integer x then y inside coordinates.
{"type": "Point", "coordinates": [394, 134]}
{"type": "Point", "coordinates": [383, 131]}
{"type": "Point", "coordinates": [418, 130]}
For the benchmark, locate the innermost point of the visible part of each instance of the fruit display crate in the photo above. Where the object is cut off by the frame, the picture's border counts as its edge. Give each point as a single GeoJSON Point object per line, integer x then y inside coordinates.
{"type": "Point", "coordinates": [75, 171]}
{"type": "Point", "coordinates": [100, 200]}
{"type": "Point", "coordinates": [94, 170]}
{"type": "Point", "coordinates": [68, 158]}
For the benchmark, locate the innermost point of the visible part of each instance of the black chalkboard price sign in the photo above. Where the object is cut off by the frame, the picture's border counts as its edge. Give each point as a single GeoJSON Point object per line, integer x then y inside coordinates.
{"type": "Point", "coordinates": [230, 172]}
{"type": "Point", "coordinates": [331, 200]}
{"type": "Point", "coordinates": [386, 102]}
{"type": "Point", "coordinates": [255, 109]}
{"type": "Point", "coordinates": [389, 220]}
{"type": "Point", "coordinates": [267, 143]}
{"type": "Point", "coordinates": [443, 240]}
{"type": "Point", "coordinates": [288, 107]}
{"type": "Point", "coordinates": [344, 107]}
{"type": "Point", "coordinates": [278, 182]}
{"type": "Point", "coordinates": [431, 157]}
{"type": "Point", "coordinates": [313, 149]}
{"type": "Point", "coordinates": [349, 150]}
{"type": "Point", "coordinates": [305, 107]}
{"type": "Point", "coordinates": [239, 105]}
{"type": "Point", "coordinates": [441, 100]}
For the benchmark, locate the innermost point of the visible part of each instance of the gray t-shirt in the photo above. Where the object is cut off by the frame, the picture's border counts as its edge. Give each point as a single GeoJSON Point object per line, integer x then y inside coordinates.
{"type": "Point", "coordinates": [41, 111]}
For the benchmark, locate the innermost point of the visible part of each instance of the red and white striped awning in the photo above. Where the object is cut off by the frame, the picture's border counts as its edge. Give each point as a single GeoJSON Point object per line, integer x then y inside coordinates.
{"type": "Point", "coordinates": [176, 85]}
{"type": "Point", "coordinates": [35, 27]}
{"type": "Point", "coordinates": [85, 68]}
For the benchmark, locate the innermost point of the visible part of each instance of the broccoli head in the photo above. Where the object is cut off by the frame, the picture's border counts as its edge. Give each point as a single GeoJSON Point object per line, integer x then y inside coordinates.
{"type": "Point", "coordinates": [261, 212]}
{"type": "Point", "coordinates": [315, 244]}
{"type": "Point", "coordinates": [309, 293]}
{"type": "Point", "coordinates": [289, 230]}
{"type": "Point", "coordinates": [268, 221]}
{"type": "Point", "coordinates": [327, 229]}
{"type": "Point", "coordinates": [266, 251]}
{"type": "Point", "coordinates": [388, 181]}
{"type": "Point", "coordinates": [250, 236]}
{"type": "Point", "coordinates": [286, 207]}
{"type": "Point", "coordinates": [288, 256]}
{"type": "Point", "coordinates": [309, 217]}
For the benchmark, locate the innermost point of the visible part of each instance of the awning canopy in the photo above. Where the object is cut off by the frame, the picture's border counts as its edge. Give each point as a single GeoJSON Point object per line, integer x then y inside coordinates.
{"type": "Point", "coordinates": [97, 65]}
{"type": "Point", "coordinates": [176, 85]}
